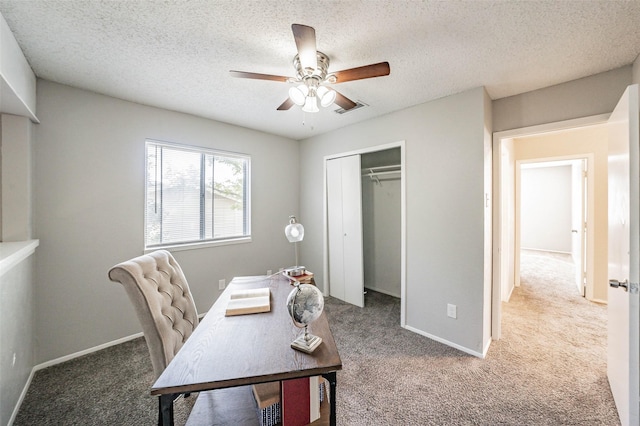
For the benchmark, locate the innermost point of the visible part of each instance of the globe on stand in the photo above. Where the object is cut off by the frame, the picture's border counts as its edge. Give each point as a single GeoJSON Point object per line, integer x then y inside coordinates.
{"type": "Point", "coordinates": [305, 304]}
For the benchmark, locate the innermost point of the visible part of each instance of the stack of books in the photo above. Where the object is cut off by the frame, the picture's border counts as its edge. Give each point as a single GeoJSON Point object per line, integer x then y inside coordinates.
{"type": "Point", "coordinates": [293, 402]}
{"type": "Point", "coordinates": [306, 278]}
{"type": "Point", "coordinates": [268, 401]}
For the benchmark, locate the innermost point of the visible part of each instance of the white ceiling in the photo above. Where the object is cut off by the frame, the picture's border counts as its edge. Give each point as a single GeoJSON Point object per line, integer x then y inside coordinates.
{"type": "Point", "coordinates": [176, 54]}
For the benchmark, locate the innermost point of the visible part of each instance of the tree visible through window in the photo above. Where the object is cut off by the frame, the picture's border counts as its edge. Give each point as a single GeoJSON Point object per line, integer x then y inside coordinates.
{"type": "Point", "coordinates": [195, 195]}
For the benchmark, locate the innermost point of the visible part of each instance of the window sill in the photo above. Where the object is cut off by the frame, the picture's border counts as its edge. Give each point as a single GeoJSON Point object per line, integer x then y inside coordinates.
{"type": "Point", "coordinates": [195, 246]}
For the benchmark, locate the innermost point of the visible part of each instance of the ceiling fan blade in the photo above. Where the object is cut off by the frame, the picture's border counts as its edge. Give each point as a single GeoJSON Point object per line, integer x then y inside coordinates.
{"type": "Point", "coordinates": [306, 43]}
{"type": "Point", "coordinates": [256, 76]}
{"type": "Point", "coordinates": [286, 105]}
{"type": "Point", "coordinates": [367, 71]}
{"type": "Point", "coordinates": [344, 102]}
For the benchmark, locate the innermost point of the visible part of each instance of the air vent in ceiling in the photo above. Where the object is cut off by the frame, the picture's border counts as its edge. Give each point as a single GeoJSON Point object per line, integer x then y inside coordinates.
{"type": "Point", "coordinates": [359, 105]}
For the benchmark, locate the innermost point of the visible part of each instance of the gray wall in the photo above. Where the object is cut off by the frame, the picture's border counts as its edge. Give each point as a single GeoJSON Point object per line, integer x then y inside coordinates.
{"type": "Point", "coordinates": [16, 334]}
{"type": "Point", "coordinates": [597, 94]}
{"type": "Point", "coordinates": [16, 207]}
{"type": "Point", "coordinates": [89, 201]}
{"type": "Point", "coordinates": [445, 208]}
{"type": "Point", "coordinates": [17, 285]}
{"type": "Point", "coordinates": [381, 234]}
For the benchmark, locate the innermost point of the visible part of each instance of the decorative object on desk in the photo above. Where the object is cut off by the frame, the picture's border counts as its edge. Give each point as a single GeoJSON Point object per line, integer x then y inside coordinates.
{"type": "Point", "coordinates": [294, 232]}
{"type": "Point", "coordinates": [249, 301]}
{"type": "Point", "coordinates": [306, 278]}
{"type": "Point", "coordinates": [305, 304]}
{"type": "Point", "coordinates": [294, 271]}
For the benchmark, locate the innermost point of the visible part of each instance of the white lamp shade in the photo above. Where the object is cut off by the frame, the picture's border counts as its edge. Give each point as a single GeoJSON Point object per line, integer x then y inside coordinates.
{"type": "Point", "coordinates": [311, 104]}
{"type": "Point", "coordinates": [327, 96]}
{"type": "Point", "coordinates": [298, 94]}
{"type": "Point", "coordinates": [294, 230]}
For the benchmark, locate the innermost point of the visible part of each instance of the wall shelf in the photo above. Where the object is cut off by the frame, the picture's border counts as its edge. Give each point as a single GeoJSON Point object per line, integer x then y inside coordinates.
{"type": "Point", "coordinates": [12, 253]}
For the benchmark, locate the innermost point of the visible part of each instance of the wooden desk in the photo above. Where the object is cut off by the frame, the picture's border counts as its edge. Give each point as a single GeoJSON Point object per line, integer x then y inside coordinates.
{"type": "Point", "coordinates": [227, 352]}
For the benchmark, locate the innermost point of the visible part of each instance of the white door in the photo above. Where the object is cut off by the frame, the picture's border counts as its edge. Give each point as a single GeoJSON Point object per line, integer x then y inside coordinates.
{"type": "Point", "coordinates": [344, 220]}
{"type": "Point", "coordinates": [623, 342]}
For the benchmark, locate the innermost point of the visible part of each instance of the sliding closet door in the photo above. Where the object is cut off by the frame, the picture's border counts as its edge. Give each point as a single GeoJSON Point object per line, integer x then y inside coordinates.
{"type": "Point", "coordinates": [344, 218]}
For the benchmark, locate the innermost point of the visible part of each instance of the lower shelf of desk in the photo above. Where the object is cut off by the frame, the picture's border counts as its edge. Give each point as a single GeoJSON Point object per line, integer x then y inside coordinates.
{"type": "Point", "coordinates": [235, 406]}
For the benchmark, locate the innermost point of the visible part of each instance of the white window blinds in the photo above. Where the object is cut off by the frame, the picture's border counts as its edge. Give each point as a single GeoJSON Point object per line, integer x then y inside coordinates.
{"type": "Point", "coordinates": [195, 195]}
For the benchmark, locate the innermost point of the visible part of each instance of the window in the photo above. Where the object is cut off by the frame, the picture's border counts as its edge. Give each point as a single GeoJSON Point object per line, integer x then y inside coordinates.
{"type": "Point", "coordinates": [195, 195]}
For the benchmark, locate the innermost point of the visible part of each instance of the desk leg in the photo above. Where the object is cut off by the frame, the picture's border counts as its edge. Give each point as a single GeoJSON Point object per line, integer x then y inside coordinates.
{"type": "Point", "coordinates": [165, 414]}
{"type": "Point", "coordinates": [332, 378]}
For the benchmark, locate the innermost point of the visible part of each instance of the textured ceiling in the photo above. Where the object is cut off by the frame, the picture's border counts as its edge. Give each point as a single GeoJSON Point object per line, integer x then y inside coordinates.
{"type": "Point", "coordinates": [177, 54]}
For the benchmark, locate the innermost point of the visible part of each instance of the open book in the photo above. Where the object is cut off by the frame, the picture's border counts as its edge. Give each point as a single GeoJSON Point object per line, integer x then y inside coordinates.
{"type": "Point", "coordinates": [250, 301]}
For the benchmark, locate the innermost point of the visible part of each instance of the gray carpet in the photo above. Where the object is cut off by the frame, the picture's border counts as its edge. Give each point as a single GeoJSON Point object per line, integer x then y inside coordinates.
{"type": "Point", "coordinates": [549, 368]}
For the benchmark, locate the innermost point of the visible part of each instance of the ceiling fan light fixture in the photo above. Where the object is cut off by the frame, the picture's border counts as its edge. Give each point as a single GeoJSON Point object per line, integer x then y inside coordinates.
{"type": "Point", "coordinates": [312, 71]}
{"type": "Point", "coordinates": [327, 96]}
{"type": "Point", "coordinates": [311, 104]}
{"type": "Point", "coordinates": [299, 94]}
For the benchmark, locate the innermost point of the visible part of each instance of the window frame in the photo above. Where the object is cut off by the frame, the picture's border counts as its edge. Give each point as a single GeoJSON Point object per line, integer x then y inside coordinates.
{"type": "Point", "coordinates": [208, 242]}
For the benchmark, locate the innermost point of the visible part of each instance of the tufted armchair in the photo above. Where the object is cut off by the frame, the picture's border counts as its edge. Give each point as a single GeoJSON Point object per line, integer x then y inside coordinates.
{"type": "Point", "coordinates": [160, 295]}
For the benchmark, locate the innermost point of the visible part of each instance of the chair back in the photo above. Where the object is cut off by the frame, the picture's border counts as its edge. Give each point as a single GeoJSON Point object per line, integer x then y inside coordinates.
{"type": "Point", "coordinates": [163, 303]}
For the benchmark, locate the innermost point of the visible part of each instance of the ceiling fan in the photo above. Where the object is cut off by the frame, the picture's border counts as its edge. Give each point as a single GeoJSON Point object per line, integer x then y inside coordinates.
{"type": "Point", "coordinates": [312, 75]}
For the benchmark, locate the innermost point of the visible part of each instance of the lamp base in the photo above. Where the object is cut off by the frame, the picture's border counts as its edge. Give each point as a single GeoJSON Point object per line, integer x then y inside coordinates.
{"type": "Point", "coordinates": [295, 271]}
{"type": "Point", "coordinates": [306, 344]}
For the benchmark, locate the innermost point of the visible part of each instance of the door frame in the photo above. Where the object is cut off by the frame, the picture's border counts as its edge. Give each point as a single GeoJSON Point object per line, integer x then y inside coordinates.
{"type": "Point", "coordinates": [403, 217]}
{"type": "Point", "coordinates": [500, 229]}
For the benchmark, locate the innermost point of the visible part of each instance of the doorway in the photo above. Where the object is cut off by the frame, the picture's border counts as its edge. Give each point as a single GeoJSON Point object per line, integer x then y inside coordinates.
{"type": "Point", "coordinates": [569, 140]}
{"type": "Point", "coordinates": [381, 181]}
{"type": "Point", "coordinates": [551, 212]}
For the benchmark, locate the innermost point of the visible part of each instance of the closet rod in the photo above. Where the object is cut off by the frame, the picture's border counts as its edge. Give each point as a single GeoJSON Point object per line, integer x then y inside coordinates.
{"type": "Point", "coordinates": [371, 169]}
{"type": "Point", "coordinates": [381, 173]}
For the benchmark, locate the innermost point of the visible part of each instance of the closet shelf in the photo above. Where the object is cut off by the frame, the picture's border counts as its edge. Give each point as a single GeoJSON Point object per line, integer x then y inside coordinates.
{"type": "Point", "coordinates": [375, 172]}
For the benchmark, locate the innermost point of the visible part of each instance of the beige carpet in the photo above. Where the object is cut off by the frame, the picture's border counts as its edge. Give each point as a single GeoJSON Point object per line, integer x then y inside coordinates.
{"type": "Point", "coordinates": [549, 368]}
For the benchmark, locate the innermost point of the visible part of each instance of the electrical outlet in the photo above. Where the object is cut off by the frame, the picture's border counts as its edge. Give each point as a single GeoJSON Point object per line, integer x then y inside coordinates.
{"type": "Point", "coordinates": [451, 310]}
{"type": "Point", "coordinates": [268, 271]}
{"type": "Point", "coordinates": [221, 284]}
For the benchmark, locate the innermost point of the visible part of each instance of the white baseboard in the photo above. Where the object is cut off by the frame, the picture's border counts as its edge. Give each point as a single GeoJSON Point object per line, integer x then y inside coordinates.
{"type": "Point", "coordinates": [446, 342]}
{"type": "Point", "coordinates": [22, 396]}
{"type": "Point", "coordinates": [545, 250]}
{"type": "Point", "coordinates": [486, 348]}
{"type": "Point", "coordinates": [91, 350]}
{"type": "Point", "coordinates": [379, 290]}
{"type": "Point", "coordinates": [85, 352]}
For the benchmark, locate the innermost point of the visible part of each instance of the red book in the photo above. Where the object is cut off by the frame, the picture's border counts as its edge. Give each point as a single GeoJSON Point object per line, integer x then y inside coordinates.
{"type": "Point", "coordinates": [295, 402]}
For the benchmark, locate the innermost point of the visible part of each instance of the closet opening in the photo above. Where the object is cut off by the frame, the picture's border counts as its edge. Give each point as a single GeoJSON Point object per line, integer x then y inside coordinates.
{"type": "Point", "coordinates": [365, 224]}
{"type": "Point", "coordinates": [381, 178]}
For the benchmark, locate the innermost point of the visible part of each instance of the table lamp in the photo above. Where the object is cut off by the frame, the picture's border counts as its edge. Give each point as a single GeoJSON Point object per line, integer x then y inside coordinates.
{"type": "Point", "coordinates": [294, 232]}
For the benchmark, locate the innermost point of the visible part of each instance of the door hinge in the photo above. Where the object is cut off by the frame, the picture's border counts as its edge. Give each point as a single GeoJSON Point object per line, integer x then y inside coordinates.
{"type": "Point", "coordinates": [633, 288]}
